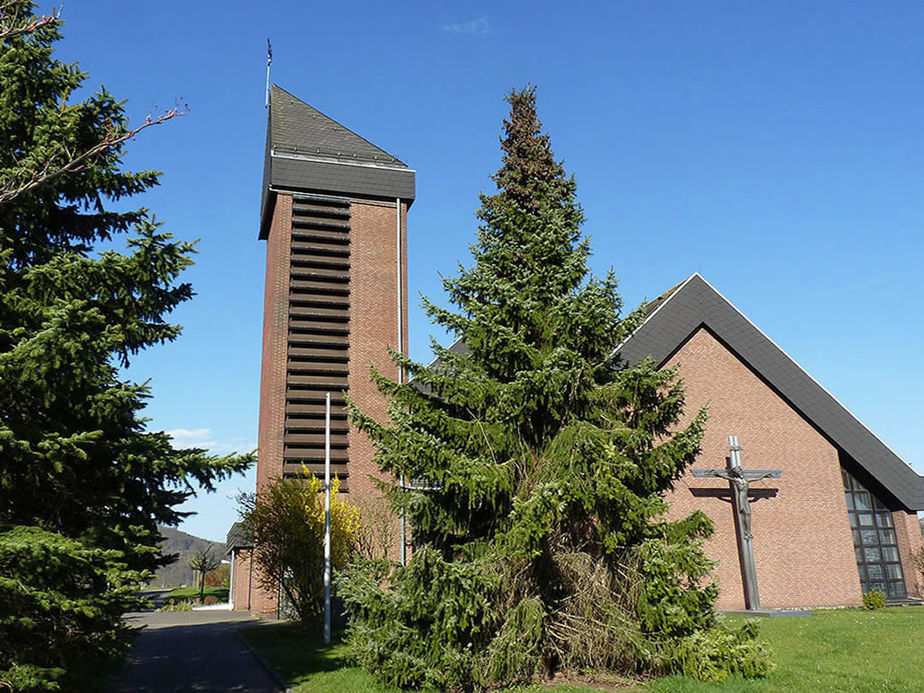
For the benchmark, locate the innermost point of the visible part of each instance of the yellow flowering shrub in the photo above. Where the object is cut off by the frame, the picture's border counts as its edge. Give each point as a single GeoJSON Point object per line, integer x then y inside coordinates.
{"type": "Point", "coordinates": [345, 517]}
{"type": "Point", "coordinates": [286, 523]}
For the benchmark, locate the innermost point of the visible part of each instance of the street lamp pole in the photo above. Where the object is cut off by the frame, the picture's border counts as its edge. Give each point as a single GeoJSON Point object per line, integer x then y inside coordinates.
{"type": "Point", "coordinates": [327, 522]}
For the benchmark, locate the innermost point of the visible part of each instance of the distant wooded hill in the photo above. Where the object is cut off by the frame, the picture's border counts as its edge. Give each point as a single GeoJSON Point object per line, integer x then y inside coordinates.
{"type": "Point", "coordinates": [179, 573]}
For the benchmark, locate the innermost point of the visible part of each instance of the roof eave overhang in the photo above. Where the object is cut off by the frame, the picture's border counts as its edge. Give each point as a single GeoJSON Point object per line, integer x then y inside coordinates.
{"type": "Point", "coordinates": [335, 178]}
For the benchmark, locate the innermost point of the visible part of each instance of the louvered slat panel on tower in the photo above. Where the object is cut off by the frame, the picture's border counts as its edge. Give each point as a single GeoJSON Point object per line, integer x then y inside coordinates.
{"type": "Point", "coordinates": [318, 343]}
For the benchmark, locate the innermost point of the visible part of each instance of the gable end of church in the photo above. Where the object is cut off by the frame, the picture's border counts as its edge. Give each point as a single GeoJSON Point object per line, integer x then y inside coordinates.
{"type": "Point", "coordinates": [696, 304]}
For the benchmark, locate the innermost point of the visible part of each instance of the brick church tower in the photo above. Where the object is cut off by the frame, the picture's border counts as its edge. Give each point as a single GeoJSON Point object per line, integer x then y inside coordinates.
{"type": "Point", "coordinates": [334, 217]}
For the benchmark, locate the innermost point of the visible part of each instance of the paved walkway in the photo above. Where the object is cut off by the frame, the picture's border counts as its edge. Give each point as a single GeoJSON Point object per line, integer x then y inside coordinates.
{"type": "Point", "coordinates": [191, 651]}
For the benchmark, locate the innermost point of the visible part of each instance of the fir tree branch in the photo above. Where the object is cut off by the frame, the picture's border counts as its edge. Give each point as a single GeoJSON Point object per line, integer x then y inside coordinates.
{"type": "Point", "coordinates": [74, 162]}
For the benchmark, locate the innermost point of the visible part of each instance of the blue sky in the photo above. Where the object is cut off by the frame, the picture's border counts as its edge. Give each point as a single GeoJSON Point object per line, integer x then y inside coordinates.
{"type": "Point", "coordinates": [774, 147]}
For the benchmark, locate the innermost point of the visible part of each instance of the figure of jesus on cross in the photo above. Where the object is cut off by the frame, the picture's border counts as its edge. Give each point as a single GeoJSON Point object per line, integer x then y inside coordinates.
{"type": "Point", "coordinates": [739, 481]}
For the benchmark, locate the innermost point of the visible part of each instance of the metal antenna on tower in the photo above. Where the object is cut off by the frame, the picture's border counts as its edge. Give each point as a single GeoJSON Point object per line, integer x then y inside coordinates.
{"type": "Point", "coordinates": [269, 61]}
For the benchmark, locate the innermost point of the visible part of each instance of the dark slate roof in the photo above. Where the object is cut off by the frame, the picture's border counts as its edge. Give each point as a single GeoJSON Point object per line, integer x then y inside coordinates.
{"type": "Point", "coordinates": [676, 315]}
{"type": "Point", "coordinates": [307, 151]}
{"type": "Point", "coordinates": [300, 128]}
{"type": "Point", "coordinates": [653, 305]}
{"type": "Point", "coordinates": [238, 538]}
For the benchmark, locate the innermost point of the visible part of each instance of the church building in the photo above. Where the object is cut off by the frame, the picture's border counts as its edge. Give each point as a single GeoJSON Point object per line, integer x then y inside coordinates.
{"type": "Point", "coordinates": [839, 520]}
{"type": "Point", "coordinates": [831, 510]}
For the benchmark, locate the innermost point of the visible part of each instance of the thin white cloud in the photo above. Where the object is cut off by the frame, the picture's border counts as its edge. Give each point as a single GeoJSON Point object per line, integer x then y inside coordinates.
{"type": "Point", "coordinates": [203, 438]}
{"type": "Point", "coordinates": [475, 26]}
{"type": "Point", "coordinates": [190, 436]}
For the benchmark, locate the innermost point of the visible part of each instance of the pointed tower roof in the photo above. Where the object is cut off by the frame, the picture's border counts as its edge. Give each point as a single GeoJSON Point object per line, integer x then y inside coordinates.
{"type": "Point", "coordinates": [310, 152]}
{"type": "Point", "coordinates": [299, 128]}
{"type": "Point", "coordinates": [676, 315]}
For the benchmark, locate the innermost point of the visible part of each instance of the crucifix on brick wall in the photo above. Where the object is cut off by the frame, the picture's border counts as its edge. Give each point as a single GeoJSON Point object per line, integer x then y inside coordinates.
{"type": "Point", "coordinates": [739, 482]}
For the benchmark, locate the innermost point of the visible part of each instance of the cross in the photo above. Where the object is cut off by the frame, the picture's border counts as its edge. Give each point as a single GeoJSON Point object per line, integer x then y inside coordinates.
{"type": "Point", "coordinates": [739, 481]}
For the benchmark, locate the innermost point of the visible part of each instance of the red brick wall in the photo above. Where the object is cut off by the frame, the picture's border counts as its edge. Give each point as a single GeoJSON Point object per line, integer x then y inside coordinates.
{"type": "Point", "coordinates": [908, 534]}
{"type": "Point", "coordinates": [802, 539]}
{"type": "Point", "coordinates": [373, 324]}
{"type": "Point", "coordinates": [247, 594]}
{"type": "Point", "coordinates": [273, 371]}
{"type": "Point", "coordinates": [275, 343]}
{"type": "Point", "coordinates": [242, 580]}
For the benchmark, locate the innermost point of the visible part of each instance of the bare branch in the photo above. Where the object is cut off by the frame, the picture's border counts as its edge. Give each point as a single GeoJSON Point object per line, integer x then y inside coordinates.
{"type": "Point", "coordinates": [12, 25]}
{"type": "Point", "coordinates": [10, 190]}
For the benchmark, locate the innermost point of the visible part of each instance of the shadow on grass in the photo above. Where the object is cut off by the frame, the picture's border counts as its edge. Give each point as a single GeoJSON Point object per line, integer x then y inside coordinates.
{"type": "Point", "coordinates": [296, 652]}
{"type": "Point", "coordinates": [306, 664]}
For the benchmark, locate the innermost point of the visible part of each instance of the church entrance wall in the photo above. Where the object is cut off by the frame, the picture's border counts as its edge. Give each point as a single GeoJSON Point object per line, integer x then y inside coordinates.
{"type": "Point", "coordinates": [803, 542]}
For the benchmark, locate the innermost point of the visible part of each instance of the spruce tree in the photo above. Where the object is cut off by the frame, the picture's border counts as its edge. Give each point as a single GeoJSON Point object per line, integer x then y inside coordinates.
{"type": "Point", "coordinates": [83, 484]}
{"type": "Point", "coordinates": [540, 531]}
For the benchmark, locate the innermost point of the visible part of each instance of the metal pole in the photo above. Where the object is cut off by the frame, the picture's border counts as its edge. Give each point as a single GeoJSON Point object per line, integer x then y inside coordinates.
{"type": "Point", "coordinates": [400, 351]}
{"type": "Point", "coordinates": [327, 522]}
{"type": "Point", "coordinates": [269, 61]}
{"type": "Point", "coordinates": [400, 282]}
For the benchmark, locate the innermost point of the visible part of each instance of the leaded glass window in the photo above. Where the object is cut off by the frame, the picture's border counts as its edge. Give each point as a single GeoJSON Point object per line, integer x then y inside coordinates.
{"type": "Point", "coordinates": [874, 541]}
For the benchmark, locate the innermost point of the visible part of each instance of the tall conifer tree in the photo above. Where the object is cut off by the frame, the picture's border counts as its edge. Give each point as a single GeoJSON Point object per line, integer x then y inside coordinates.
{"type": "Point", "coordinates": [542, 463]}
{"type": "Point", "coordinates": [82, 482]}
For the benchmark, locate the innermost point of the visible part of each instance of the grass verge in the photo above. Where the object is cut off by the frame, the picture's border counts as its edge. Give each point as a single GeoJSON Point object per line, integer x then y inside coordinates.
{"type": "Point", "coordinates": [305, 663]}
{"type": "Point", "coordinates": [840, 650]}
{"type": "Point", "coordinates": [845, 650]}
{"type": "Point", "coordinates": [186, 594]}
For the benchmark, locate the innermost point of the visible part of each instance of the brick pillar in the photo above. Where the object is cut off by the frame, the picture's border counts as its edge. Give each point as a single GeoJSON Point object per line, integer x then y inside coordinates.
{"type": "Point", "coordinates": [910, 544]}
{"type": "Point", "coordinates": [273, 371]}
{"type": "Point", "coordinates": [373, 327]}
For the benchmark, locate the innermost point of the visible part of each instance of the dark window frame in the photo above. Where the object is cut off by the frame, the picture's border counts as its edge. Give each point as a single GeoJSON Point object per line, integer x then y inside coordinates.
{"type": "Point", "coordinates": [874, 540]}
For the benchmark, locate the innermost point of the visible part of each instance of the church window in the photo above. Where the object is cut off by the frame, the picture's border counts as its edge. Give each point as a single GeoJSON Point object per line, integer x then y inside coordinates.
{"type": "Point", "coordinates": [874, 540]}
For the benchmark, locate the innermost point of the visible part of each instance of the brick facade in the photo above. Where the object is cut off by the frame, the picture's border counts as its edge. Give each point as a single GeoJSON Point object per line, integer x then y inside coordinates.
{"type": "Point", "coordinates": [802, 537]}
{"type": "Point", "coordinates": [373, 329]}
{"type": "Point", "coordinates": [275, 343]}
{"type": "Point", "coordinates": [241, 580]}
{"type": "Point", "coordinates": [373, 323]}
{"type": "Point", "coordinates": [908, 533]}
{"type": "Point", "coordinates": [271, 430]}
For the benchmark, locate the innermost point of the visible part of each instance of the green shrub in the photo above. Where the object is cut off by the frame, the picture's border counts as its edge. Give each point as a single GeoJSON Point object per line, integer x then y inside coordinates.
{"type": "Point", "coordinates": [514, 654]}
{"type": "Point", "coordinates": [719, 652]}
{"type": "Point", "coordinates": [425, 631]}
{"type": "Point", "coordinates": [874, 599]}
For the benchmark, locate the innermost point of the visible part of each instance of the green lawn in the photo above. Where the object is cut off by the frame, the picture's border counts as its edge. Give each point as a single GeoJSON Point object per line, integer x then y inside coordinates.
{"type": "Point", "coordinates": [305, 663]}
{"type": "Point", "coordinates": [181, 594]}
{"type": "Point", "coordinates": [845, 650]}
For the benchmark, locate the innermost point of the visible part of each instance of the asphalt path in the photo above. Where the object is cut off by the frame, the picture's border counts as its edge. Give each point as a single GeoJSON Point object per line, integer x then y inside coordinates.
{"type": "Point", "coordinates": [191, 651]}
